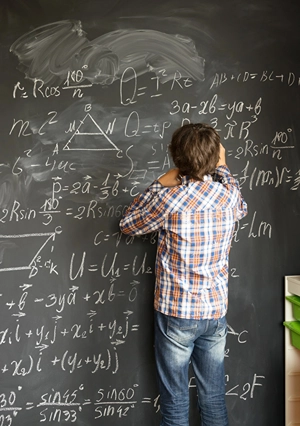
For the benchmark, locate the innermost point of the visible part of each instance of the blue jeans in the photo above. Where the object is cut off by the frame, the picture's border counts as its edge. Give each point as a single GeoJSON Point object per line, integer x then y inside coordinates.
{"type": "Point", "coordinates": [177, 342]}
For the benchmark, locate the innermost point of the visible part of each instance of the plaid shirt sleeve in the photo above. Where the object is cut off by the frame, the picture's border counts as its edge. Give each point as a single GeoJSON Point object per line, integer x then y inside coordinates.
{"type": "Point", "coordinates": [146, 212]}
{"type": "Point", "coordinates": [223, 175]}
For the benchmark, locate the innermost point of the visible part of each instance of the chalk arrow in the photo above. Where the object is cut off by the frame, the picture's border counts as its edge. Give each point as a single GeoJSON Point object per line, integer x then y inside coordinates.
{"type": "Point", "coordinates": [118, 342]}
{"type": "Point", "coordinates": [25, 286]}
{"type": "Point", "coordinates": [57, 317]}
{"type": "Point", "coordinates": [42, 347]}
{"type": "Point", "coordinates": [20, 314]}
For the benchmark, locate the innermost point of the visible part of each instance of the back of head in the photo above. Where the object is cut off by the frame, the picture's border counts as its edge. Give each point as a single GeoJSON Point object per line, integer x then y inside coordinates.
{"type": "Point", "coordinates": [195, 150]}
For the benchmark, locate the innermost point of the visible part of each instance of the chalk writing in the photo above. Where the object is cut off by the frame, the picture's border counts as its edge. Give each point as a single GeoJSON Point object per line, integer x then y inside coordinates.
{"type": "Point", "coordinates": [89, 130]}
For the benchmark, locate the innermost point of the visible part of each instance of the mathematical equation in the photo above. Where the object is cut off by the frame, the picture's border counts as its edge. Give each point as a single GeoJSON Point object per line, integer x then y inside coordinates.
{"type": "Point", "coordinates": [56, 405]}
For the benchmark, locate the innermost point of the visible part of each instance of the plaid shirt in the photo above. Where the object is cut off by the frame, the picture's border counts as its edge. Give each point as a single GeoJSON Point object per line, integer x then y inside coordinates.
{"type": "Point", "coordinates": [195, 223]}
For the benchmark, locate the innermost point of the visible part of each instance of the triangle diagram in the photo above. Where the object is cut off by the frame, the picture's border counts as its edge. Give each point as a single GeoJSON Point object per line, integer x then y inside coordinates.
{"type": "Point", "coordinates": [89, 137]}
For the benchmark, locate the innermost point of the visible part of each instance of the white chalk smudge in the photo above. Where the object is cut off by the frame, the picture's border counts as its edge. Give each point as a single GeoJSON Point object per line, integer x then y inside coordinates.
{"type": "Point", "coordinates": [52, 50]}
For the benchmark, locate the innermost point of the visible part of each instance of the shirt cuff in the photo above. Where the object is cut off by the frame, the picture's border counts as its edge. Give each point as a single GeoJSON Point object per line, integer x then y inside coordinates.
{"type": "Point", "coordinates": [155, 186]}
{"type": "Point", "coordinates": [223, 170]}
{"type": "Point", "coordinates": [224, 176]}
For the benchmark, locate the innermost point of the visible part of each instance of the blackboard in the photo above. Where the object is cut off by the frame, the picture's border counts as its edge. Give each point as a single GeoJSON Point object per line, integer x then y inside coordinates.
{"type": "Point", "coordinates": [90, 95]}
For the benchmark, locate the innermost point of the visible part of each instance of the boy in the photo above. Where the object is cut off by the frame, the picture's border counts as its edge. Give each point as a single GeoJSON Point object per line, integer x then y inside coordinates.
{"type": "Point", "coordinates": [194, 208]}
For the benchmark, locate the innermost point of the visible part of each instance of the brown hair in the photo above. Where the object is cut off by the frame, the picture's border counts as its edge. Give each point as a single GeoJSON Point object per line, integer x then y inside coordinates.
{"type": "Point", "coordinates": [195, 150]}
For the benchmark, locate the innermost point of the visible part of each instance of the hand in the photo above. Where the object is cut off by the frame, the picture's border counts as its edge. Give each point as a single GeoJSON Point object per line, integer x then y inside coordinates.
{"type": "Point", "coordinates": [171, 178]}
{"type": "Point", "coordinates": [222, 159]}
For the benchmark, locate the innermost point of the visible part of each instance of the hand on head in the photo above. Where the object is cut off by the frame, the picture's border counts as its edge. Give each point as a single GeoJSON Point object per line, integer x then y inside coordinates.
{"type": "Point", "coordinates": [222, 159]}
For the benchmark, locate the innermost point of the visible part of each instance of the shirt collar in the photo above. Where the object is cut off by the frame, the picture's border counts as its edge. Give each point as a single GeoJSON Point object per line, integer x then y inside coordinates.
{"type": "Point", "coordinates": [186, 179]}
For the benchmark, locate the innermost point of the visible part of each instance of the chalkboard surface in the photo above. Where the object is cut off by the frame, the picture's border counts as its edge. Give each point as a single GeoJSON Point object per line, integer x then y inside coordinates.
{"type": "Point", "coordinates": [90, 95]}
